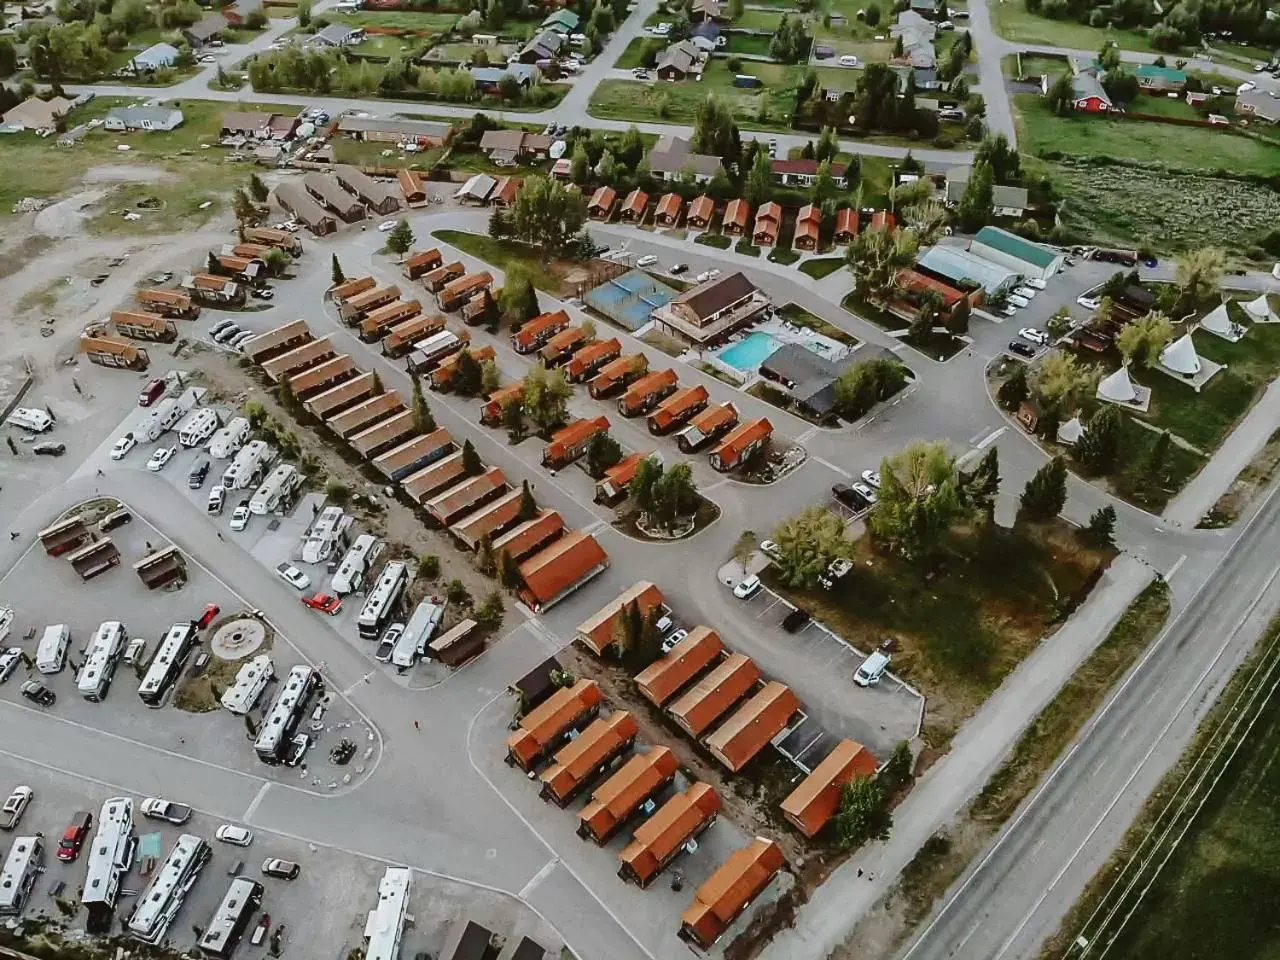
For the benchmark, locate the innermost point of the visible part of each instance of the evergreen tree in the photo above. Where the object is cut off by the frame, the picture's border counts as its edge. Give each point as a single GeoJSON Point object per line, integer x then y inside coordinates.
{"type": "Point", "coordinates": [981, 486]}
{"type": "Point", "coordinates": [258, 188]}
{"type": "Point", "coordinates": [975, 205]}
{"type": "Point", "coordinates": [759, 183]}
{"type": "Point", "coordinates": [528, 506]}
{"type": "Point", "coordinates": [1102, 525]}
{"type": "Point", "coordinates": [1014, 390]}
{"type": "Point", "coordinates": [467, 374]}
{"type": "Point", "coordinates": [335, 271]}
{"type": "Point", "coordinates": [423, 421]}
{"type": "Point", "coordinates": [508, 570]}
{"type": "Point", "coordinates": [1158, 455]}
{"type": "Point", "coordinates": [400, 239]}
{"type": "Point", "coordinates": [580, 165]}
{"type": "Point", "coordinates": [1046, 492]}
{"type": "Point", "coordinates": [471, 462]}
{"type": "Point", "coordinates": [1098, 448]}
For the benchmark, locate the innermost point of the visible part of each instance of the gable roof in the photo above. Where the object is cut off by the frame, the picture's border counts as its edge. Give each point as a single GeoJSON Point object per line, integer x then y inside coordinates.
{"type": "Point", "coordinates": [1016, 246]}
{"type": "Point", "coordinates": [674, 154]}
{"type": "Point", "coordinates": [702, 209]}
{"type": "Point", "coordinates": [736, 212]}
{"type": "Point", "coordinates": [1006, 196]}
{"type": "Point", "coordinates": [38, 114]}
{"type": "Point", "coordinates": [713, 296]}
{"type": "Point", "coordinates": [1150, 71]}
{"type": "Point", "coordinates": [683, 55]}
{"type": "Point", "coordinates": [1085, 86]}
{"type": "Point", "coordinates": [157, 55]}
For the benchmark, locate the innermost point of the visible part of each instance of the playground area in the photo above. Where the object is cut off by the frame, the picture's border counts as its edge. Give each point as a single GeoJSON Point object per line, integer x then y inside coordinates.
{"type": "Point", "coordinates": [629, 299]}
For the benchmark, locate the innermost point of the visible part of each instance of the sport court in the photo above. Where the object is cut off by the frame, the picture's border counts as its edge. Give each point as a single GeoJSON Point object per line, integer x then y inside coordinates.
{"type": "Point", "coordinates": [629, 299]}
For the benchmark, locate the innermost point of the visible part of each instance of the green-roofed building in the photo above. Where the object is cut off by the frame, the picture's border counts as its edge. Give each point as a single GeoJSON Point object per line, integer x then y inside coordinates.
{"type": "Point", "coordinates": [1155, 79]}
{"type": "Point", "coordinates": [562, 21]}
{"type": "Point", "coordinates": [1021, 256]}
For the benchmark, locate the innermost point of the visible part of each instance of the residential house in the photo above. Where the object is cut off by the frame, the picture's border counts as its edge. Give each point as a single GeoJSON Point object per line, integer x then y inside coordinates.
{"type": "Point", "coordinates": [682, 60]}
{"type": "Point", "coordinates": [412, 186]}
{"type": "Point", "coordinates": [254, 125]}
{"type": "Point", "coordinates": [337, 36]}
{"type": "Point", "coordinates": [701, 212]}
{"type": "Point", "coordinates": [917, 35]}
{"type": "Point", "coordinates": [713, 10]}
{"type": "Point", "coordinates": [667, 213]}
{"type": "Point", "coordinates": [846, 225]}
{"type": "Point", "coordinates": [956, 180]}
{"type": "Point", "coordinates": [506, 148]}
{"type": "Point", "coordinates": [155, 57]}
{"type": "Point", "coordinates": [545, 46]}
{"type": "Point", "coordinates": [1008, 201]}
{"type": "Point", "coordinates": [489, 79]}
{"type": "Point", "coordinates": [425, 133]}
{"type": "Point", "coordinates": [601, 204]}
{"type": "Point", "coordinates": [768, 222]}
{"type": "Point", "coordinates": [304, 208]}
{"type": "Point", "coordinates": [706, 36]}
{"type": "Point", "coordinates": [673, 157]}
{"type": "Point", "coordinates": [1087, 94]}
{"type": "Point", "coordinates": [1154, 79]}
{"type": "Point", "coordinates": [562, 21]}
{"type": "Point", "coordinates": [634, 205]}
{"type": "Point", "coordinates": [36, 114]}
{"type": "Point", "coordinates": [477, 189]}
{"type": "Point", "coordinates": [1258, 105]}
{"type": "Point", "coordinates": [807, 377]}
{"type": "Point", "coordinates": [804, 173]}
{"type": "Point", "coordinates": [736, 213]}
{"type": "Point", "coordinates": [504, 192]}
{"type": "Point", "coordinates": [326, 190]}
{"type": "Point", "coordinates": [808, 226]}
{"type": "Point", "coordinates": [142, 118]}
{"type": "Point", "coordinates": [711, 310]}
{"type": "Point", "coordinates": [237, 13]}
{"type": "Point", "coordinates": [378, 197]}
{"type": "Point", "coordinates": [203, 31]}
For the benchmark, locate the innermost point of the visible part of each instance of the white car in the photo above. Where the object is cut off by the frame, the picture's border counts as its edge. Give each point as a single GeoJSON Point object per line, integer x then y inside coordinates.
{"type": "Point", "coordinates": [1036, 283]}
{"type": "Point", "coordinates": [240, 516]}
{"type": "Point", "coordinates": [1017, 301]}
{"type": "Point", "coordinates": [158, 809]}
{"type": "Point", "coordinates": [669, 644]}
{"type": "Point", "coordinates": [208, 58]}
{"type": "Point", "coordinates": [386, 226]}
{"type": "Point", "coordinates": [1034, 336]}
{"type": "Point", "coordinates": [871, 478]}
{"type": "Point", "coordinates": [747, 588]}
{"type": "Point", "coordinates": [864, 490]}
{"type": "Point", "coordinates": [770, 549]}
{"type": "Point", "coordinates": [1089, 303]}
{"type": "Point", "coordinates": [1008, 311]}
{"type": "Point", "coordinates": [1026, 293]}
{"type": "Point", "coordinates": [647, 261]}
{"type": "Point", "coordinates": [293, 576]}
{"type": "Point", "coordinates": [9, 661]}
{"type": "Point", "coordinates": [160, 458]}
{"type": "Point", "coordinates": [15, 807]}
{"type": "Point", "coordinates": [219, 328]}
{"type": "Point", "coordinates": [123, 446]}
{"type": "Point", "coordinates": [848, 60]}
{"type": "Point", "coordinates": [707, 275]}
{"type": "Point", "coordinates": [236, 836]}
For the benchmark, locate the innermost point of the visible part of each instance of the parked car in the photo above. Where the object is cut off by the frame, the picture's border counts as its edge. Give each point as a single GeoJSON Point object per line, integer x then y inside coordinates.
{"type": "Point", "coordinates": [670, 642]}
{"type": "Point", "coordinates": [74, 836]}
{"type": "Point", "coordinates": [38, 693]}
{"type": "Point", "coordinates": [240, 339]}
{"type": "Point", "coordinates": [1033, 335]}
{"type": "Point", "coordinates": [49, 448]}
{"type": "Point", "coordinates": [678, 268]}
{"type": "Point", "coordinates": [230, 333]}
{"type": "Point", "coordinates": [865, 492]}
{"type": "Point", "coordinates": [122, 446]}
{"type": "Point", "coordinates": [836, 569]}
{"type": "Point", "coordinates": [163, 277]}
{"type": "Point", "coordinates": [1036, 283]}
{"type": "Point", "coordinates": [217, 499]}
{"type": "Point", "coordinates": [9, 661]}
{"type": "Point", "coordinates": [872, 669]}
{"type": "Point", "coordinates": [796, 620]}
{"type": "Point", "coordinates": [197, 474]}
{"type": "Point", "coordinates": [1022, 349]}
{"type": "Point", "coordinates": [386, 226]}
{"type": "Point", "coordinates": [647, 261]}
{"type": "Point", "coordinates": [161, 457]}
{"type": "Point", "coordinates": [747, 587]}
{"type": "Point", "coordinates": [284, 869]}
{"type": "Point", "coordinates": [1026, 293]}
{"type": "Point", "coordinates": [388, 642]}
{"type": "Point", "coordinates": [15, 807]}
{"type": "Point", "coordinates": [770, 549]}
{"type": "Point", "coordinates": [166, 810]}
{"type": "Point", "coordinates": [211, 610]}
{"type": "Point", "coordinates": [219, 328]}
{"type": "Point", "coordinates": [152, 392]}
{"type": "Point", "coordinates": [1017, 301]}
{"type": "Point", "coordinates": [136, 651]}
{"type": "Point", "coordinates": [240, 516]}
{"type": "Point", "coordinates": [850, 497]}
{"type": "Point", "coordinates": [293, 576]}
{"type": "Point", "coordinates": [324, 602]}
{"type": "Point", "coordinates": [236, 836]}
{"type": "Point", "coordinates": [1089, 303]}
{"type": "Point", "coordinates": [262, 293]}
{"type": "Point", "coordinates": [871, 478]}
{"type": "Point", "coordinates": [848, 60]}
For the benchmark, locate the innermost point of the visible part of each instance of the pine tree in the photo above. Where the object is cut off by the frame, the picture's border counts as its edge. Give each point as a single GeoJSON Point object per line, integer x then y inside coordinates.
{"type": "Point", "coordinates": [258, 188]}
{"type": "Point", "coordinates": [528, 506]}
{"type": "Point", "coordinates": [335, 271]}
{"type": "Point", "coordinates": [1098, 448]}
{"type": "Point", "coordinates": [423, 421]}
{"type": "Point", "coordinates": [1014, 390]}
{"type": "Point", "coordinates": [1046, 492]}
{"type": "Point", "coordinates": [508, 570]}
{"type": "Point", "coordinates": [982, 485]}
{"type": "Point", "coordinates": [484, 555]}
{"type": "Point", "coordinates": [471, 462]}
{"type": "Point", "coordinates": [1102, 525]}
{"type": "Point", "coordinates": [400, 239]}
{"type": "Point", "coordinates": [1158, 455]}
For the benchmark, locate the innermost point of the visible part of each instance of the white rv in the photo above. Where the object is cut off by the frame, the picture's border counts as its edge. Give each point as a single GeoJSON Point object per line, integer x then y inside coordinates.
{"type": "Point", "coordinates": [101, 659]}
{"type": "Point", "coordinates": [283, 480]}
{"type": "Point", "coordinates": [250, 463]}
{"type": "Point", "coordinates": [355, 564]}
{"type": "Point", "coordinates": [418, 631]}
{"type": "Point", "coordinates": [30, 418]}
{"type": "Point", "coordinates": [51, 654]}
{"type": "Point", "coordinates": [229, 439]}
{"type": "Point", "coordinates": [321, 542]}
{"type": "Point", "coordinates": [250, 682]}
{"type": "Point", "coordinates": [163, 418]}
{"type": "Point", "coordinates": [197, 427]}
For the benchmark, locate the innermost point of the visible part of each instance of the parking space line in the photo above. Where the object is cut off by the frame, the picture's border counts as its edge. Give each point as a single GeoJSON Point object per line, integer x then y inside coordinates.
{"type": "Point", "coordinates": [831, 466]}
{"type": "Point", "coordinates": [538, 877]}
{"type": "Point", "coordinates": [253, 804]}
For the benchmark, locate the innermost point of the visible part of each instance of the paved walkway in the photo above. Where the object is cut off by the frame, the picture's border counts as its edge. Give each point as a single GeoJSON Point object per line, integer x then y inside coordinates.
{"type": "Point", "coordinates": [978, 749]}
{"type": "Point", "coordinates": [1199, 496]}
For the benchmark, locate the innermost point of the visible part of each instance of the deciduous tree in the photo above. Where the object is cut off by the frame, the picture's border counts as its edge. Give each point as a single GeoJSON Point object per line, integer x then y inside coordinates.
{"type": "Point", "coordinates": [548, 215]}
{"type": "Point", "coordinates": [918, 499]}
{"type": "Point", "coordinates": [1143, 340]}
{"type": "Point", "coordinates": [807, 543]}
{"type": "Point", "coordinates": [863, 813]}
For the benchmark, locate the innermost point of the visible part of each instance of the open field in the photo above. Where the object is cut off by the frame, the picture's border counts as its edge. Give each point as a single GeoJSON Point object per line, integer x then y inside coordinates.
{"type": "Point", "coordinates": [1012, 21]}
{"type": "Point", "coordinates": [752, 43]}
{"type": "Point", "coordinates": [422, 21]}
{"type": "Point", "coordinates": [678, 102]}
{"type": "Point", "coordinates": [1033, 65]}
{"type": "Point", "coordinates": [502, 254]}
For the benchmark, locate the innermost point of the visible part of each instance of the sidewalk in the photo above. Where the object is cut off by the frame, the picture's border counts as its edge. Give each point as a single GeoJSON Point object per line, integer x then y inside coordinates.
{"type": "Point", "coordinates": [978, 749]}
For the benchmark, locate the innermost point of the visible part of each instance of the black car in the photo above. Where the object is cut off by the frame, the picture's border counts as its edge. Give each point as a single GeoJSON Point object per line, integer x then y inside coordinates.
{"type": "Point", "coordinates": [200, 470]}
{"type": "Point", "coordinates": [1022, 349]}
{"type": "Point", "coordinates": [796, 620]}
{"type": "Point", "coordinates": [38, 693]}
{"type": "Point", "coordinates": [848, 496]}
{"type": "Point", "coordinates": [49, 448]}
{"type": "Point", "coordinates": [678, 268]}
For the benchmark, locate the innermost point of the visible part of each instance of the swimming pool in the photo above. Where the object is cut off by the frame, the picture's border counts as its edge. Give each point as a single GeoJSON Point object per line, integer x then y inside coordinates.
{"type": "Point", "coordinates": [751, 351]}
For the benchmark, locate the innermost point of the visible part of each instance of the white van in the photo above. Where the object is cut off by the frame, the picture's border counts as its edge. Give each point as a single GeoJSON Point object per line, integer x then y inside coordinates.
{"type": "Point", "coordinates": [197, 427]}
{"type": "Point", "coordinates": [51, 654]}
{"type": "Point", "coordinates": [30, 418]}
{"type": "Point", "coordinates": [872, 670]}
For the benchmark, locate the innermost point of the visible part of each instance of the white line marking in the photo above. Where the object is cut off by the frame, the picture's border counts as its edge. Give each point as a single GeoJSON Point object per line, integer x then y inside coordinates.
{"type": "Point", "coordinates": [538, 877]}
{"type": "Point", "coordinates": [831, 466]}
{"type": "Point", "coordinates": [1174, 569]}
{"type": "Point", "coordinates": [991, 437]}
{"type": "Point", "coordinates": [253, 805]}
{"type": "Point", "coordinates": [978, 436]}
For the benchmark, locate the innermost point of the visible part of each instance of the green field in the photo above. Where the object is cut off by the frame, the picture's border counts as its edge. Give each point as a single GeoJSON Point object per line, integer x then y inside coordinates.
{"type": "Point", "coordinates": [629, 59]}
{"type": "Point", "coordinates": [1033, 65]}
{"type": "Point", "coordinates": [422, 21]}
{"type": "Point", "coordinates": [1040, 132]}
{"type": "Point", "coordinates": [751, 43]}
{"type": "Point", "coordinates": [1012, 21]}
{"type": "Point", "coordinates": [678, 102]}
{"type": "Point", "coordinates": [821, 267]}
{"type": "Point", "coordinates": [502, 254]}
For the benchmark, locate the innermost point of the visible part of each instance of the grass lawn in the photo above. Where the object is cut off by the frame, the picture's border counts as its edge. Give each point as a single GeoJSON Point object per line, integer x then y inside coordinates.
{"type": "Point", "coordinates": [180, 209]}
{"type": "Point", "coordinates": [473, 160]}
{"type": "Point", "coordinates": [750, 43]}
{"type": "Point", "coordinates": [746, 248]}
{"type": "Point", "coordinates": [996, 593]}
{"type": "Point", "coordinates": [386, 45]}
{"type": "Point", "coordinates": [1033, 65]}
{"type": "Point", "coordinates": [1161, 106]}
{"type": "Point", "coordinates": [630, 57]}
{"type": "Point", "coordinates": [1012, 21]}
{"type": "Point", "coordinates": [798, 315]}
{"type": "Point", "coordinates": [502, 254]}
{"type": "Point", "coordinates": [463, 52]}
{"type": "Point", "coordinates": [420, 21]}
{"type": "Point", "coordinates": [1135, 481]}
{"type": "Point", "coordinates": [369, 153]}
{"type": "Point", "coordinates": [35, 167]}
{"type": "Point", "coordinates": [766, 20]}
{"type": "Point", "coordinates": [823, 267]}
{"type": "Point", "coordinates": [678, 102]}
{"type": "Point", "coordinates": [717, 240]}
{"type": "Point", "coordinates": [783, 255]}
{"type": "Point", "coordinates": [1041, 132]}
{"type": "Point", "coordinates": [939, 346]}
{"type": "Point", "coordinates": [671, 346]}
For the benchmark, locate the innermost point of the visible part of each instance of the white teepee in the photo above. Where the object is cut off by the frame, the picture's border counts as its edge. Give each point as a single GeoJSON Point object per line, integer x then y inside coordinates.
{"type": "Point", "coordinates": [1218, 321]}
{"type": "Point", "coordinates": [1070, 431]}
{"type": "Point", "coordinates": [1181, 357]}
{"type": "Point", "coordinates": [1260, 309]}
{"type": "Point", "coordinates": [1118, 388]}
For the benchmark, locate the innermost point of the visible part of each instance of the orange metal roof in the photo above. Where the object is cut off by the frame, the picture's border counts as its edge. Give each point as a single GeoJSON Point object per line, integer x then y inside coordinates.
{"type": "Point", "coordinates": [769, 211]}
{"type": "Point", "coordinates": [414, 328]}
{"type": "Point", "coordinates": [541, 725]}
{"type": "Point", "coordinates": [392, 313]}
{"type": "Point", "coordinates": [714, 417]}
{"type": "Point", "coordinates": [500, 397]}
{"type": "Point", "coordinates": [882, 219]}
{"type": "Point", "coordinates": [548, 573]}
{"type": "Point", "coordinates": [728, 891]}
{"type": "Point", "coordinates": [669, 205]}
{"type": "Point", "coordinates": [466, 494]}
{"type": "Point", "coordinates": [138, 318]}
{"type": "Point", "coordinates": [707, 700]}
{"type": "Point", "coordinates": [619, 796]}
{"type": "Point", "coordinates": [810, 805]}
{"type": "Point", "coordinates": [449, 269]}
{"type": "Point", "coordinates": [593, 352]}
{"type": "Point", "coordinates": [680, 401]}
{"type": "Point", "coordinates": [809, 212]}
{"type": "Point", "coordinates": [914, 281]}
{"type": "Point", "coordinates": [636, 201]}
{"type": "Point", "coordinates": [736, 213]}
{"type": "Point", "coordinates": [623, 365]}
{"type": "Point", "coordinates": [596, 631]}
{"type": "Point", "coordinates": [442, 373]}
{"type": "Point", "coordinates": [372, 298]}
{"type": "Point", "coordinates": [576, 760]}
{"type": "Point", "coordinates": [488, 518]}
{"type": "Point", "coordinates": [170, 297]}
{"type": "Point", "coordinates": [468, 283]}
{"type": "Point", "coordinates": [540, 324]}
{"type": "Point", "coordinates": [649, 383]}
{"type": "Point", "coordinates": [741, 438]}
{"type": "Point", "coordinates": [753, 725]}
{"type": "Point", "coordinates": [569, 437]}
{"type": "Point", "coordinates": [349, 288]}
{"type": "Point", "coordinates": [622, 472]}
{"type": "Point", "coordinates": [603, 199]}
{"type": "Point", "coordinates": [524, 538]}
{"type": "Point", "coordinates": [667, 830]}
{"type": "Point", "coordinates": [429, 479]}
{"type": "Point", "coordinates": [662, 679]}
{"type": "Point", "coordinates": [423, 258]}
{"type": "Point", "coordinates": [411, 185]}
{"type": "Point", "coordinates": [703, 208]}
{"type": "Point", "coordinates": [562, 341]}
{"type": "Point", "coordinates": [847, 221]}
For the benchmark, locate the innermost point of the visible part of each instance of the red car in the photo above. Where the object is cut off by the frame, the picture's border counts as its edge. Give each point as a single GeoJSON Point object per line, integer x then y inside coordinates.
{"type": "Point", "coordinates": [206, 618]}
{"type": "Point", "coordinates": [74, 837]}
{"type": "Point", "coordinates": [324, 602]}
{"type": "Point", "coordinates": [152, 392]}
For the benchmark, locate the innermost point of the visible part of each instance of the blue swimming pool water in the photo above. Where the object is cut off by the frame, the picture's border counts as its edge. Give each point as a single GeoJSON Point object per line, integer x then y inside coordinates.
{"type": "Point", "coordinates": [751, 351]}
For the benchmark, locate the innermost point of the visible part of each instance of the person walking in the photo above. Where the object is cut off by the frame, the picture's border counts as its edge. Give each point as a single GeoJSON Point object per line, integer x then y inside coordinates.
{"type": "Point", "coordinates": [415, 725]}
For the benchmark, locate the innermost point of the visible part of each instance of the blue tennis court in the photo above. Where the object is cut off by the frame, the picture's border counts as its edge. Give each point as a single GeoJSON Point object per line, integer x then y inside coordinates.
{"type": "Point", "coordinates": [628, 300]}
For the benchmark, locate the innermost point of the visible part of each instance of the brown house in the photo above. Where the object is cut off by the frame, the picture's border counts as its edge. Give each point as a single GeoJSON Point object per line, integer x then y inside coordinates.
{"type": "Point", "coordinates": [768, 220]}
{"type": "Point", "coordinates": [602, 201]}
{"type": "Point", "coordinates": [736, 214]}
{"type": "Point", "coordinates": [701, 212]}
{"type": "Point", "coordinates": [668, 211]}
{"type": "Point", "coordinates": [634, 206]}
{"type": "Point", "coordinates": [412, 186]}
{"type": "Point", "coordinates": [846, 225]}
{"type": "Point", "coordinates": [504, 194]}
{"type": "Point", "coordinates": [808, 224]}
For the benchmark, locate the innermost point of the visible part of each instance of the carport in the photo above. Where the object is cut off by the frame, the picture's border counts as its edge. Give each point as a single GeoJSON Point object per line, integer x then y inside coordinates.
{"type": "Point", "coordinates": [161, 568]}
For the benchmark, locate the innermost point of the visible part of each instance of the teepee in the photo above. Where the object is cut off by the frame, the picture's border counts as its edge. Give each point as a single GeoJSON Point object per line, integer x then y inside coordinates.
{"type": "Point", "coordinates": [1070, 431]}
{"type": "Point", "coordinates": [1181, 357]}
{"type": "Point", "coordinates": [1219, 321]}
{"type": "Point", "coordinates": [1260, 309]}
{"type": "Point", "coordinates": [1118, 388]}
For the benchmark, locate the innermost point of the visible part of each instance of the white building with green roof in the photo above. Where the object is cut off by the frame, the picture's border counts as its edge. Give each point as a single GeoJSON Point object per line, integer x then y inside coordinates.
{"type": "Point", "coordinates": [1021, 256]}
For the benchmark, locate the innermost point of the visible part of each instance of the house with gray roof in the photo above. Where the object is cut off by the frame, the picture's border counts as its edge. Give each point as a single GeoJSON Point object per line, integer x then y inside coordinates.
{"type": "Point", "coordinates": [338, 35]}
{"type": "Point", "coordinates": [142, 118]}
{"type": "Point", "coordinates": [672, 157]}
{"type": "Point", "coordinates": [1258, 105]}
{"type": "Point", "coordinates": [205, 30]}
{"type": "Point", "coordinates": [154, 57]}
{"type": "Point", "coordinates": [682, 60]}
{"type": "Point", "coordinates": [545, 46]}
